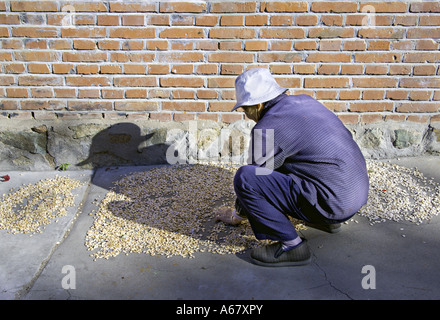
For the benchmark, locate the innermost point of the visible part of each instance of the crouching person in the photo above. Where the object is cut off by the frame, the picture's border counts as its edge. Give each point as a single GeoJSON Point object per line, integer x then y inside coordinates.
{"type": "Point", "coordinates": [305, 164]}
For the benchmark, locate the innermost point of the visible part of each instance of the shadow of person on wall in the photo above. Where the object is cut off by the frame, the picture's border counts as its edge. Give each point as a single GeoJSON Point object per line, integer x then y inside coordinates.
{"type": "Point", "coordinates": [123, 144]}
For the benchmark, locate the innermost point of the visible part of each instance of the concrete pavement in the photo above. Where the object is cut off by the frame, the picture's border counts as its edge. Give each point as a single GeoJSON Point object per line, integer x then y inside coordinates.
{"type": "Point", "coordinates": [344, 265]}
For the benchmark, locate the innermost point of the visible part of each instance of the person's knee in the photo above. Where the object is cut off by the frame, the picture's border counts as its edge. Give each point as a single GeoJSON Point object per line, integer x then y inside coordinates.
{"type": "Point", "coordinates": [244, 177]}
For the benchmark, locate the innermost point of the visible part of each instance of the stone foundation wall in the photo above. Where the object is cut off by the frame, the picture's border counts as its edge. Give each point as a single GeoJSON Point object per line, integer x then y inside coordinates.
{"type": "Point", "coordinates": [30, 144]}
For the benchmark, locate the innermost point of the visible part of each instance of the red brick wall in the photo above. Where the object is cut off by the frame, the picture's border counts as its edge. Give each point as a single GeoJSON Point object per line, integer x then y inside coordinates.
{"type": "Point", "coordinates": [178, 60]}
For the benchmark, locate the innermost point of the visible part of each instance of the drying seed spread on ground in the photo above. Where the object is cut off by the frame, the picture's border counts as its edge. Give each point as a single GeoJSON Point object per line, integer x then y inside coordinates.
{"type": "Point", "coordinates": [169, 211]}
{"type": "Point", "coordinates": [400, 194]}
{"type": "Point", "coordinates": [33, 206]}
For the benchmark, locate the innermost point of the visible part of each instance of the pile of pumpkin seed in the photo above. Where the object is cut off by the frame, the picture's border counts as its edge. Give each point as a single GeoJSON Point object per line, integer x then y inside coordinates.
{"type": "Point", "coordinates": [400, 194]}
{"type": "Point", "coordinates": [169, 211]}
{"type": "Point", "coordinates": [32, 207]}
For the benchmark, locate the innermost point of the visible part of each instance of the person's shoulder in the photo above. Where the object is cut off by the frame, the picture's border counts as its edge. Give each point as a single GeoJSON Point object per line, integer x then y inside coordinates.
{"type": "Point", "coordinates": [298, 98]}
{"type": "Point", "coordinates": [295, 102]}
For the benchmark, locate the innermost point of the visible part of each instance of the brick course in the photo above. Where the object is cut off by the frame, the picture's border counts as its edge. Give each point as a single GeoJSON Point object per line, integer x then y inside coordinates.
{"type": "Point", "coordinates": [178, 60]}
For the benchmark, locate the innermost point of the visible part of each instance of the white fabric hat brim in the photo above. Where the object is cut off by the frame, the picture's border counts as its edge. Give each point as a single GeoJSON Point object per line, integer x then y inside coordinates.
{"type": "Point", "coordinates": [269, 97]}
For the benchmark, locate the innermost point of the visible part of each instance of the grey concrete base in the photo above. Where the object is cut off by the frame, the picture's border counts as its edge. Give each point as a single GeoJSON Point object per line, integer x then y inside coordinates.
{"type": "Point", "coordinates": [23, 257]}
{"type": "Point", "coordinates": [405, 267]}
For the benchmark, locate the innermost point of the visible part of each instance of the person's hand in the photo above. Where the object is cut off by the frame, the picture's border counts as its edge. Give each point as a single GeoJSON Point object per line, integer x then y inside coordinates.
{"type": "Point", "coordinates": [226, 215]}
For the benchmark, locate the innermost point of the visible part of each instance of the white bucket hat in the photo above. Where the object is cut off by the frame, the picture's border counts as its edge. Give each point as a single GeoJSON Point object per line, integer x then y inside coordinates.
{"type": "Point", "coordinates": [255, 86]}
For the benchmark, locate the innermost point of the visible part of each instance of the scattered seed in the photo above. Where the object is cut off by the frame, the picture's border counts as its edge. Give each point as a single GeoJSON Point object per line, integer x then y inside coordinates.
{"type": "Point", "coordinates": [410, 196]}
{"type": "Point", "coordinates": [31, 207]}
{"type": "Point", "coordinates": [169, 211]}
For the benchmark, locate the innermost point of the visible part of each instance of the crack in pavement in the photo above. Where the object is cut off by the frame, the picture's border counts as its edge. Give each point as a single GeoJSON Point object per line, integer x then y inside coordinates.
{"type": "Point", "coordinates": [327, 279]}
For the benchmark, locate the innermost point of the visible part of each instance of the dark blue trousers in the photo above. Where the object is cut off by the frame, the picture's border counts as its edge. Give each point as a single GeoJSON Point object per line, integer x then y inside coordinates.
{"type": "Point", "coordinates": [268, 200]}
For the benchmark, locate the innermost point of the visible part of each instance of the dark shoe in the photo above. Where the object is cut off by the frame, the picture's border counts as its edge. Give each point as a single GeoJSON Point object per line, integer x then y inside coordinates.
{"type": "Point", "coordinates": [273, 255]}
{"type": "Point", "coordinates": [330, 228]}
